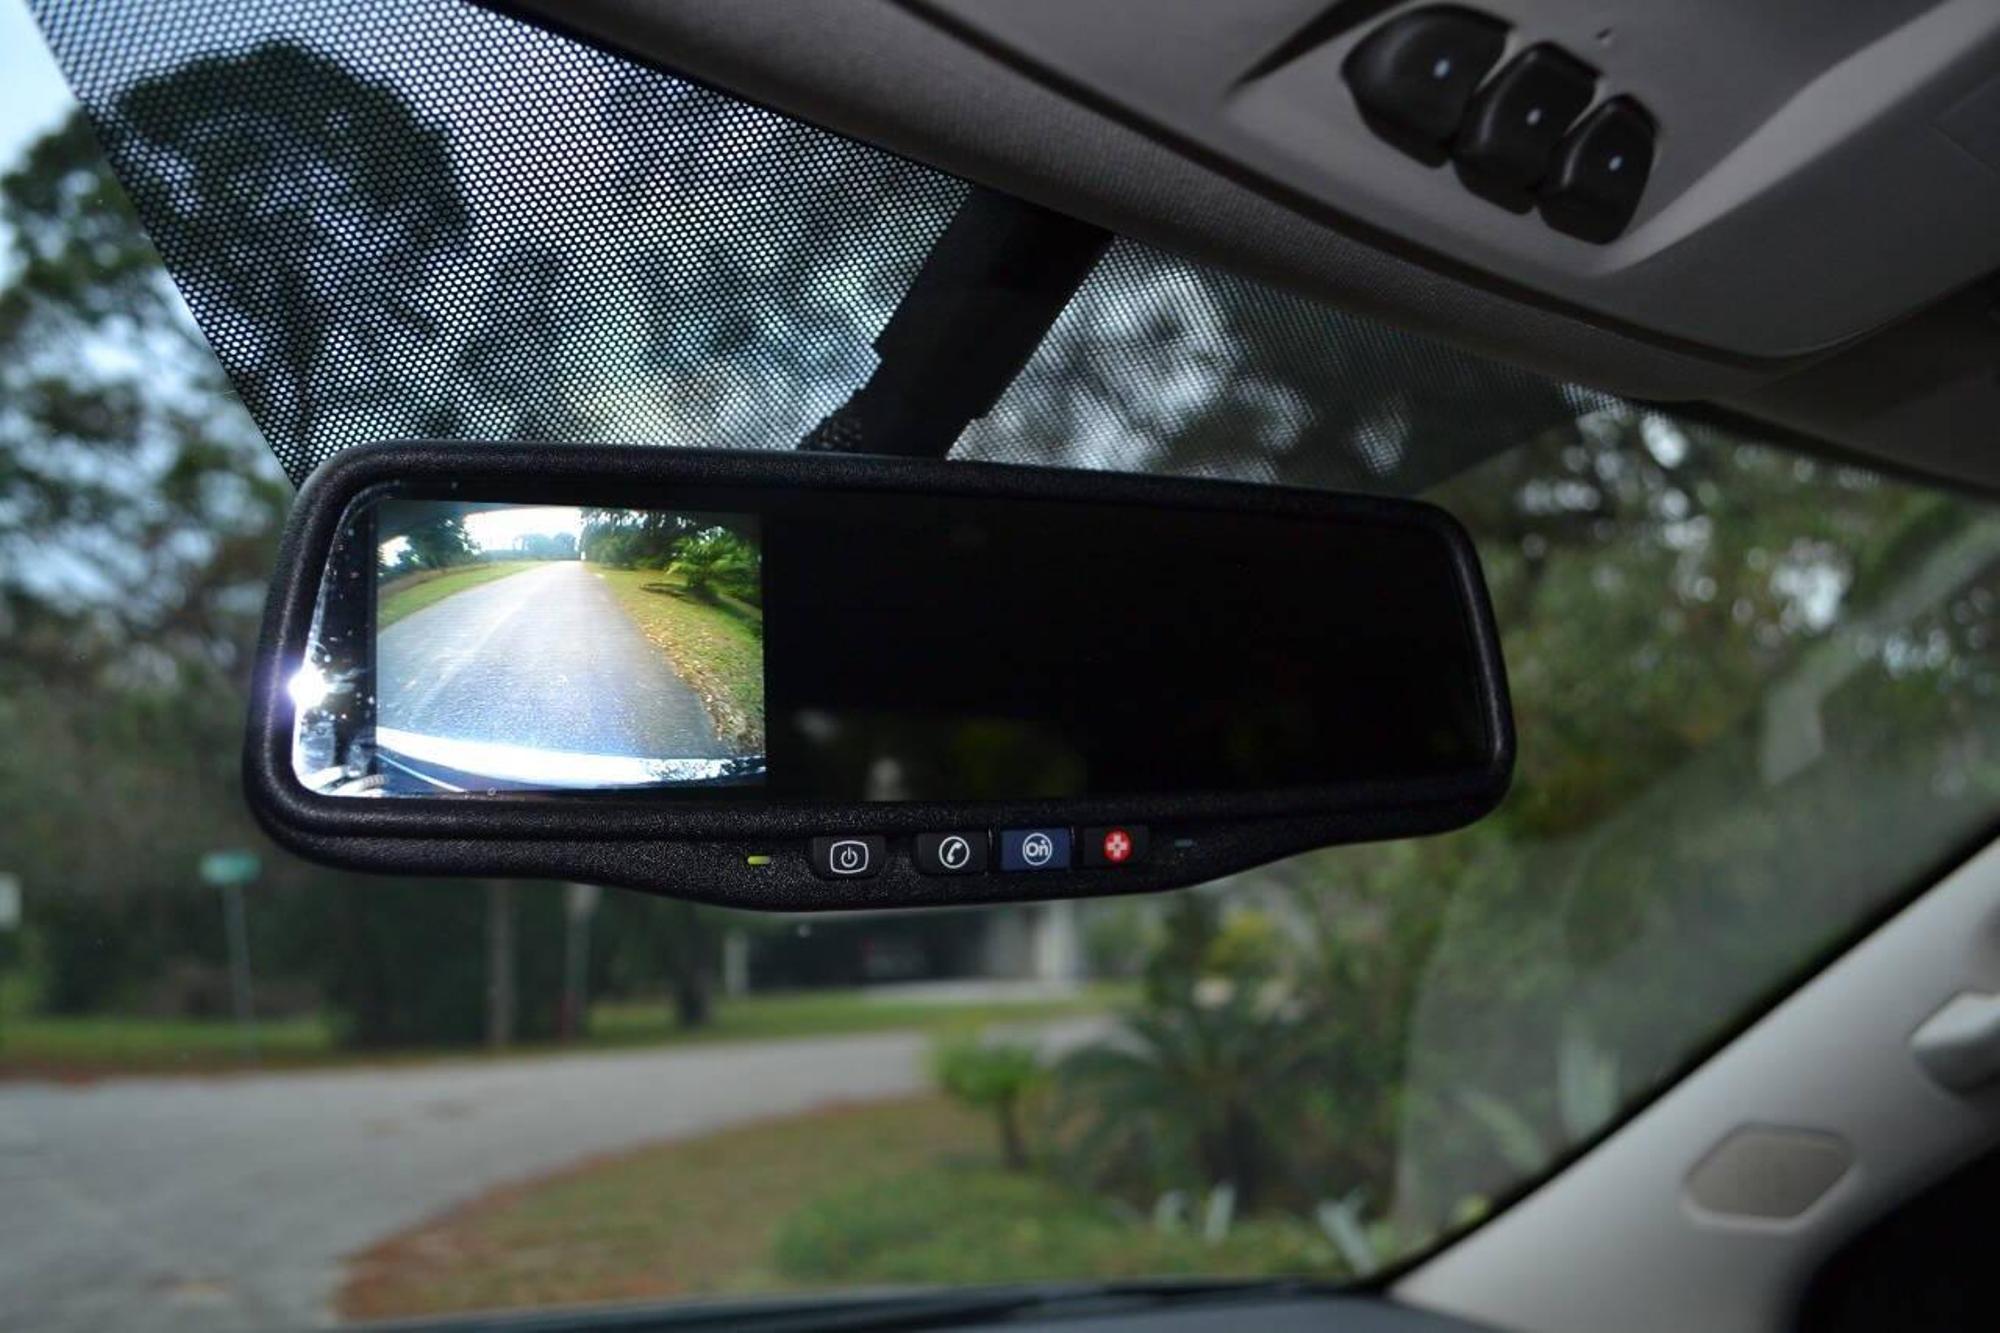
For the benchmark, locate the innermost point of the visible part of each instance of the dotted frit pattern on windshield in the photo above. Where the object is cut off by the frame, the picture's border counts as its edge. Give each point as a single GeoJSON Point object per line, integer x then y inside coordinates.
{"type": "Point", "coordinates": [425, 219]}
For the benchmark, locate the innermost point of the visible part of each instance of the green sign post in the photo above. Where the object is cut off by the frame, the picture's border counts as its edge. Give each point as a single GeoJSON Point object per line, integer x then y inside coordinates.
{"type": "Point", "coordinates": [10, 923]}
{"type": "Point", "coordinates": [230, 871]}
{"type": "Point", "coordinates": [233, 868]}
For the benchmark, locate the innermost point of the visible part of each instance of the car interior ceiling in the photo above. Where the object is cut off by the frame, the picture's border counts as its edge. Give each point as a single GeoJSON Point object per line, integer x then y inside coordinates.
{"type": "Point", "coordinates": [1064, 123]}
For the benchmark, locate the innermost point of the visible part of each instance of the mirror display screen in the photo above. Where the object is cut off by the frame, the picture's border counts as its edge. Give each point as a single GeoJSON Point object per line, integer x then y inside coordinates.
{"type": "Point", "coordinates": [980, 649]}
{"type": "Point", "coordinates": [791, 644]}
{"type": "Point", "coordinates": [559, 647]}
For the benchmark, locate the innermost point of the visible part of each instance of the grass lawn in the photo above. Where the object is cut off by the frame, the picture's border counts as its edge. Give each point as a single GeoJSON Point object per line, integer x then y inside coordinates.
{"type": "Point", "coordinates": [413, 592]}
{"type": "Point", "coordinates": [827, 1013]}
{"type": "Point", "coordinates": [99, 1045]}
{"type": "Point", "coordinates": [718, 649]}
{"type": "Point", "coordinates": [107, 1043]}
{"type": "Point", "coordinates": [884, 1193]}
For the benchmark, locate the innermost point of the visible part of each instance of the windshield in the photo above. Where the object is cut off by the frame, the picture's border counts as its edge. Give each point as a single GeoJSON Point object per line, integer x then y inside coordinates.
{"type": "Point", "coordinates": [1758, 699]}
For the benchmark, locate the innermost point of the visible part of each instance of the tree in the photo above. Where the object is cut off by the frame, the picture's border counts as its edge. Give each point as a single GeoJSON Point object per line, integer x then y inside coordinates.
{"type": "Point", "coordinates": [307, 210]}
{"type": "Point", "coordinates": [441, 543]}
{"type": "Point", "coordinates": [748, 333]}
{"type": "Point", "coordinates": [1454, 1011]}
{"type": "Point", "coordinates": [713, 562]}
{"type": "Point", "coordinates": [996, 1078]}
{"type": "Point", "coordinates": [139, 509]}
{"type": "Point", "coordinates": [644, 941]}
{"type": "Point", "coordinates": [139, 501]}
{"type": "Point", "coordinates": [547, 546]}
{"type": "Point", "coordinates": [1163, 365]}
{"type": "Point", "coordinates": [1202, 1085]}
{"type": "Point", "coordinates": [137, 522]}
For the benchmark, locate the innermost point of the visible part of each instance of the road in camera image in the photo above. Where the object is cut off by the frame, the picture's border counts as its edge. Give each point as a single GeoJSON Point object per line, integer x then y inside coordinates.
{"type": "Point", "coordinates": [599, 633]}
{"type": "Point", "coordinates": [543, 658]}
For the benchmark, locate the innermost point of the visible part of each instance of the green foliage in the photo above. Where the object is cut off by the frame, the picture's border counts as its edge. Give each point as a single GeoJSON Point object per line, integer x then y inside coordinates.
{"type": "Point", "coordinates": [1201, 1084]}
{"type": "Point", "coordinates": [996, 1077]}
{"type": "Point", "coordinates": [440, 544]}
{"type": "Point", "coordinates": [985, 1074]}
{"type": "Point", "coordinates": [717, 648]}
{"type": "Point", "coordinates": [130, 517]}
{"type": "Point", "coordinates": [715, 562]}
{"type": "Point", "coordinates": [967, 1226]}
{"type": "Point", "coordinates": [711, 557]}
{"type": "Point", "coordinates": [405, 964]}
{"type": "Point", "coordinates": [641, 940]}
{"type": "Point", "coordinates": [141, 511]}
{"type": "Point", "coordinates": [86, 961]}
{"type": "Point", "coordinates": [1115, 937]}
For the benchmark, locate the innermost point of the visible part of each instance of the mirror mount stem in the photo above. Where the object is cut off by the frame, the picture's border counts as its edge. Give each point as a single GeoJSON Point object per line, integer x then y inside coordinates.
{"type": "Point", "coordinates": [988, 292]}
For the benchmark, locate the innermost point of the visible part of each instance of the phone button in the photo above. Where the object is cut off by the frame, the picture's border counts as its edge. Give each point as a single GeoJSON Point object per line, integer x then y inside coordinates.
{"type": "Point", "coordinates": [848, 856]}
{"type": "Point", "coordinates": [951, 853]}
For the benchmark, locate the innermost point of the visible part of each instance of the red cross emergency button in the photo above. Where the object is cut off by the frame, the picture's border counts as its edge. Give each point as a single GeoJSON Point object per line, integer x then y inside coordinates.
{"type": "Point", "coordinates": [1114, 846]}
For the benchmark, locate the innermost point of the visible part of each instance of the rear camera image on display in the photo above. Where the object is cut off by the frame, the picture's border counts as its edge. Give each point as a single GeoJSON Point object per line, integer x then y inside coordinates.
{"type": "Point", "coordinates": [552, 647]}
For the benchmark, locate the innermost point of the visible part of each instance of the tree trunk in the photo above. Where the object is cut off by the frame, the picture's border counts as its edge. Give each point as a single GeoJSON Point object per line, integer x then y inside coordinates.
{"type": "Point", "coordinates": [499, 964]}
{"type": "Point", "coordinates": [1013, 1148]}
{"type": "Point", "coordinates": [688, 962]}
{"type": "Point", "coordinates": [691, 1001]}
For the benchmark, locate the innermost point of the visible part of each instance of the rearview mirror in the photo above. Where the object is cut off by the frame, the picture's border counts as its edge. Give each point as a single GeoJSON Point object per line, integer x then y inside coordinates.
{"type": "Point", "coordinates": [795, 681]}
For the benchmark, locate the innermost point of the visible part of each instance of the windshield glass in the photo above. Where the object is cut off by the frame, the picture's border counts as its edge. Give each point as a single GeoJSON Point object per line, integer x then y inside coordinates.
{"type": "Point", "coordinates": [1758, 699]}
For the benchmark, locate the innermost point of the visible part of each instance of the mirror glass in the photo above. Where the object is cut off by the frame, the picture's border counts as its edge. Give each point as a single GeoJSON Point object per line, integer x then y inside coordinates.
{"type": "Point", "coordinates": [465, 646]}
{"type": "Point", "coordinates": [800, 645]}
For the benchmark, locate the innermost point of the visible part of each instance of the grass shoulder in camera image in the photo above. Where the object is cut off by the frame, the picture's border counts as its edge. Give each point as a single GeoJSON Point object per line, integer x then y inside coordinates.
{"type": "Point", "coordinates": [562, 646]}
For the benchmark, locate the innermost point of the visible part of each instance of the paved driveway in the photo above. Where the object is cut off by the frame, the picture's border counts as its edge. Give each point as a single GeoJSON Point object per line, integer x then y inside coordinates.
{"type": "Point", "coordinates": [228, 1203]}
{"type": "Point", "coordinates": [545, 659]}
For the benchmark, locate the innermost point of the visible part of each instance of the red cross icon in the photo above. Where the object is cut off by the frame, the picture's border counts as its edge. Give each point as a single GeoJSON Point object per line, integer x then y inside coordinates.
{"type": "Point", "coordinates": [1117, 846]}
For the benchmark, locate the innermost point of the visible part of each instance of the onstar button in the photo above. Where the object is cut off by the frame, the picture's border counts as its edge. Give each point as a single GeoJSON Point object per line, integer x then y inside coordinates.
{"type": "Point", "coordinates": [951, 853]}
{"type": "Point", "coordinates": [848, 856]}
{"type": "Point", "coordinates": [1034, 849]}
{"type": "Point", "coordinates": [1115, 845]}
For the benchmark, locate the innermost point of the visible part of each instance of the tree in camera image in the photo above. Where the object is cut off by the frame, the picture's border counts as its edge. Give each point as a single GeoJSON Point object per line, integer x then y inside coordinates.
{"type": "Point", "coordinates": [584, 631]}
{"type": "Point", "coordinates": [1756, 692]}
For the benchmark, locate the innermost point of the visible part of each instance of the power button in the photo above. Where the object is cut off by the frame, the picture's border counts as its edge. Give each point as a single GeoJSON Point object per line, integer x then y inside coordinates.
{"type": "Point", "coordinates": [848, 856]}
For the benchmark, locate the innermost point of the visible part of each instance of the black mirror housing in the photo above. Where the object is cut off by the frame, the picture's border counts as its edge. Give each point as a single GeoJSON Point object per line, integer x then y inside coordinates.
{"type": "Point", "coordinates": [978, 683]}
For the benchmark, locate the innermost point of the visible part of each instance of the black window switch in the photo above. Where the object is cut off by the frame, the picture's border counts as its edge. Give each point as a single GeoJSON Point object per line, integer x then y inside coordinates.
{"type": "Point", "coordinates": [1508, 140]}
{"type": "Point", "coordinates": [1600, 172]}
{"type": "Point", "coordinates": [1414, 75]}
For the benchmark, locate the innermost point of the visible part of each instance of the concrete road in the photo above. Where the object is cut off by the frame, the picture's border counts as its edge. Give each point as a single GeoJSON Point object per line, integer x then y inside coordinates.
{"type": "Point", "coordinates": [228, 1203]}
{"type": "Point", "coordinates": [545, 659]}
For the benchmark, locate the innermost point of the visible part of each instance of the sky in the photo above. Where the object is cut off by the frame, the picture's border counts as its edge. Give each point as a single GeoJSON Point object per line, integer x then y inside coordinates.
{"type": "Point", "coordinates": [33, 96]}
{"type": "Point", "coordinates": [498, 529]}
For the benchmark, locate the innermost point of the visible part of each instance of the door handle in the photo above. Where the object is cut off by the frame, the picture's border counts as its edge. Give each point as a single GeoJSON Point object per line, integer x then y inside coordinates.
{"type": "Point", "coordinates": [1959, 1045]}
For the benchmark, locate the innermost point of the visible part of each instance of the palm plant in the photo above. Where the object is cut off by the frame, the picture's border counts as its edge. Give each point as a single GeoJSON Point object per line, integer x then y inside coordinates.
{"type": "Point", "coordinates": [995, 1077]}
{"type": "Point", "coordinates": [714, 562]}
{"type": "Point", "coordinates": [1196, 1089]}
